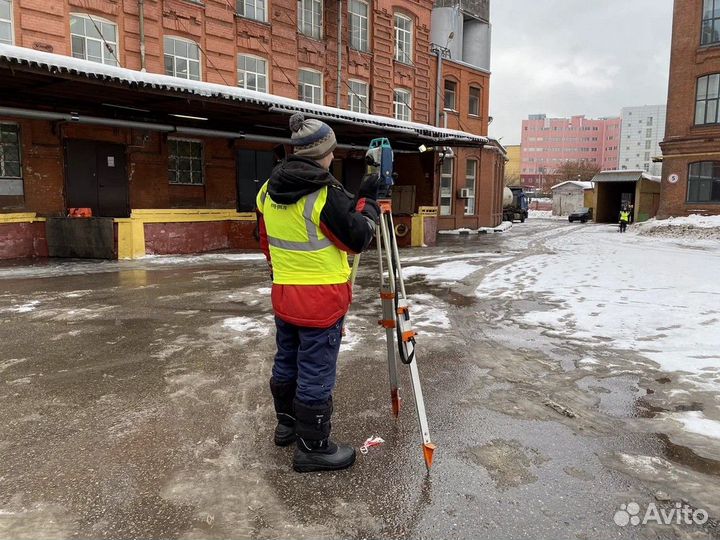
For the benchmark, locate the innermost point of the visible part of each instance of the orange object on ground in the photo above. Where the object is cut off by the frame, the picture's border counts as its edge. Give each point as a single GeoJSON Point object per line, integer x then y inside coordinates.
{"type": "Point", "coordinates": [80, 212]}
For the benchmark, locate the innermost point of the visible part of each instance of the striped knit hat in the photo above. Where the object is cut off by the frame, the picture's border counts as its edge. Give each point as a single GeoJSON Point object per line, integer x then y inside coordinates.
{"type": "Point", "coordinates": [311, 138]}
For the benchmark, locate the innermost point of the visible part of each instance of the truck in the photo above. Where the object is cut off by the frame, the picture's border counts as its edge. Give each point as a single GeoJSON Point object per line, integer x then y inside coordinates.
{"type": "Point", "coordinates": [515, 204]}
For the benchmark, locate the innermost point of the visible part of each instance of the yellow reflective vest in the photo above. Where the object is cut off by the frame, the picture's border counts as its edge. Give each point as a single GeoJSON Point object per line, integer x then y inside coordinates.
{"type": "Point", "coordinates": [624, 216]}
{"type": "Point", "coordinates": [299, 252]}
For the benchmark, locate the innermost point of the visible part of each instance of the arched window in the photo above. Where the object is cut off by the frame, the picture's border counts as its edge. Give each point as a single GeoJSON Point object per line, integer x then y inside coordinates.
{"type": "Point", "coordinates": [402, 104]}
{"type": "Point", "coordinates": [94, 39]}
{"type": "Point", "coordinates": [252, 72]}
{"type": "Point", "coordinates": [403, 39]}
{"type": "Point", "coordinates": [182, 58]}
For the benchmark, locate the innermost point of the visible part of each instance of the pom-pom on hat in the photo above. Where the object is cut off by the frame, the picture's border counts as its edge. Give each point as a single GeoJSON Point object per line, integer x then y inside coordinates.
{"type": "Point", "coordinates": [311, 138]}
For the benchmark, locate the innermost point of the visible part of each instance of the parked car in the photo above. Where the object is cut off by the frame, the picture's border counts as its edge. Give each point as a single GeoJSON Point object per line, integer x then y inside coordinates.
{"type": "Point", "coordinates": [583, 215]}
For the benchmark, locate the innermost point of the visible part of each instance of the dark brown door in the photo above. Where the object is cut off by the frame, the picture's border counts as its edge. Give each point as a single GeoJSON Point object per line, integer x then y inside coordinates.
{"type": "Point", "coordinates": [253, 170]}
{"type": "Point", "coordinates": [96, 177]}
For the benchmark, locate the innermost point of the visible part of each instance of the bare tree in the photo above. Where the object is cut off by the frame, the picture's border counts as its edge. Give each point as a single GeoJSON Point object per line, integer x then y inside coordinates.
{"type": "Point", "coordinates": [576, 170]}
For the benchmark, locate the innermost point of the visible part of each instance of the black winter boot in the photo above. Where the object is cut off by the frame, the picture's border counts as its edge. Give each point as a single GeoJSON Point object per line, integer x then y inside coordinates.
{"type": "Point", "coordinates": [315, 451]}
{"type": "Point", "coordinates": [283, 397]}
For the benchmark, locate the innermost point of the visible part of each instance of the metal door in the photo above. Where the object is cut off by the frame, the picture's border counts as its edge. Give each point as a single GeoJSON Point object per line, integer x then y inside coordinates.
{"type": "Point", "coordinates": [96, 177]}
{"type": "Point", "coordinates": [113, 185]}
{"type": "Point", "coordinates": [253, 169]}
{"type": "Point", "coordinates": [81, 175]}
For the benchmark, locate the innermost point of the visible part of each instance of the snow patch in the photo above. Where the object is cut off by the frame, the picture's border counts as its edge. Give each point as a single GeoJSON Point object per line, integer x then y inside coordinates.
{"type": "Point", "coordinates": [696, 422]}
{"type": "Point", "coordinates": [249, 328]}
{"type": "Point", "coordinates": [449, 271]}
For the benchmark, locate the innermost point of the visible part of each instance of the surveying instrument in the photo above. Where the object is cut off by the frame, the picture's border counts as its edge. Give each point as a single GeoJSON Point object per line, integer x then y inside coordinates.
{"type": "Point", "coordinates": [395, 305]}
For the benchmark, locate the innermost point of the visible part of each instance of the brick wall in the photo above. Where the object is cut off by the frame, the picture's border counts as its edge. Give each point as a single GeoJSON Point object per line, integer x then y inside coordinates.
{"type": "Point", "coordinates": [684, 142]}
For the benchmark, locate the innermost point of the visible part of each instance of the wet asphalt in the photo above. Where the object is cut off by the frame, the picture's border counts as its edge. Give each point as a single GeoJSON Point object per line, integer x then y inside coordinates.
{"type": "Point", "coordinates": [134, 404]}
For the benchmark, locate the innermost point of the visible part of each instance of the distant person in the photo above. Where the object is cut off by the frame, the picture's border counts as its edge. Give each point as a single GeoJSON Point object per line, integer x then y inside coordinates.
{"type": "Point", "coordinates": [308, 223]}
{"type": "Point", "coordinates": [624, 219]}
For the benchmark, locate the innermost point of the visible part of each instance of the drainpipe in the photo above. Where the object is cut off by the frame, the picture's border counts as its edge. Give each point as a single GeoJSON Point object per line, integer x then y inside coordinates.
{"type": "Point", "coordinates": [438, 95]}
{"type": "Point", "coordinates": [339, 55]}
{"type": "Point", "coordinates": [141, 15]}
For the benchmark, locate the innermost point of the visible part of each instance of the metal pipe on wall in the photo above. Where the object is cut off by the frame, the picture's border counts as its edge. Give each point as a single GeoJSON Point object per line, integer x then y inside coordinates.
{"type": "Point", "coordinates": [141, 16]}
{"type": "Point", "coordinates": [339, 55]}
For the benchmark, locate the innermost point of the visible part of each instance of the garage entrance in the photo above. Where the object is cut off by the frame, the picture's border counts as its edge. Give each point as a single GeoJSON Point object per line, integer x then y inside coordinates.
{"type": "Point", "coordinates": [611, 197]}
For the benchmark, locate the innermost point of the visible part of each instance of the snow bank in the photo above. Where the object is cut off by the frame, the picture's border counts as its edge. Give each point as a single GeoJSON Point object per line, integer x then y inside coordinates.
{"type": "Point", "coordinates": [656, 298]}
{"type": "Point", "coordinates": [694, 226]}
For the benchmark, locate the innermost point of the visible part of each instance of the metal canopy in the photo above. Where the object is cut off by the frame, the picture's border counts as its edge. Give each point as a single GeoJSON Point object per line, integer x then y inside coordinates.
{"type": "Point", "coordinates": [49, 82]}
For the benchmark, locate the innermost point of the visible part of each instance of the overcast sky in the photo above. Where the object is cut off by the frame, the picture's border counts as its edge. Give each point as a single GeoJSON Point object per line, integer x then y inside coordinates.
{"type": "Point", "coordinates": [569, 57]}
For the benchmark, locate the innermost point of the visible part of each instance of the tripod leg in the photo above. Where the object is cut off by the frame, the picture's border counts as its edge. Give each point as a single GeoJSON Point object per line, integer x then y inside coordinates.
{"type": "Point", "coordinates": [389, 320]}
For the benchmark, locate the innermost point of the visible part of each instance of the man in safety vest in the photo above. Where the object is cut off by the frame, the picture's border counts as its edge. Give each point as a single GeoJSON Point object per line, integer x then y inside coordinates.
{"type": "Point", "coordinates": [308, 223]}
{"type": "Point", "coordinates": [624, 218]}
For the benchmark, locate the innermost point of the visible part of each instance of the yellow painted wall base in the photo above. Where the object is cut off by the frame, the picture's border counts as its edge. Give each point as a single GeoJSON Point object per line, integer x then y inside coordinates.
{"type": "Point", "coordinates": [20, 217]}
{"type": "Point", "coordinates": [131, 231]}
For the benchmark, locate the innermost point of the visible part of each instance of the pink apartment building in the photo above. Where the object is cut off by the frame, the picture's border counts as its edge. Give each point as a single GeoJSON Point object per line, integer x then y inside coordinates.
{"type": "Point", "coordinates": [549, 142]}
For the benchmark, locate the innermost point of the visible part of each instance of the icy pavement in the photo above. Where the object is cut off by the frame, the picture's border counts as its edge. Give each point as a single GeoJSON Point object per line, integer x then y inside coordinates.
{"type": "Point", "coordinates": [134, 399]}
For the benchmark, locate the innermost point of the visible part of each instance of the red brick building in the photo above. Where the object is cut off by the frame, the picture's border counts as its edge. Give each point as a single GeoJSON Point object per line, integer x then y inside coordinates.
{"type": "Point", "coordinates": [691, 149]}
{"type": "Point", "coordinates": [172, 162]}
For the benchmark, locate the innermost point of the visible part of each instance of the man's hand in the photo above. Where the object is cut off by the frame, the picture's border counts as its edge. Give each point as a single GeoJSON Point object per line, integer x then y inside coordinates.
{"type": "Point", "coordinates": [369, 186]}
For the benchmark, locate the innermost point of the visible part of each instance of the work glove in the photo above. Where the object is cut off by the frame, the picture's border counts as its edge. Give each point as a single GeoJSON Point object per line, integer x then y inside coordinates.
{"type": "Point", "coordinates": [370, 186]}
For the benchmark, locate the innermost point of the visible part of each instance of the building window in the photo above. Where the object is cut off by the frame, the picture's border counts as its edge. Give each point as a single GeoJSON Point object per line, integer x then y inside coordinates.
{"type": "Point", "coordinates": [182, 58]}
{"type": "Point", "coordinates": [359, 12]}
{"type": "Point", "coordinates": [710, 22]}
{"type": "Point", "coordinates": [704, 182]}
{"type": "Point", "coordinates": [186, 162]}
{"type": "Point", "coordinates": [706, 104]}
{"type": "Point", "coordinates": [450, 94]}
{"type": "Point", "coordinates": [446, 183]}
{"type": "Point", "coordinates": [358, 98]}
{"type": "Point", "coordinates": [650, 121]}
{"type": "Point", "coordinates": [251, 9]}
{"type": "Point", "coordinates": [310, 18]}
{"type": "Point", "coordinates": [648, 145]}
{"type": "Point", "coordinates": [6, 25]}
{"type": "Point", "coordinates": [474, 101]}
{"type": "Point", "coordinates": [93, 39]}
{"type": "Point", "coordinates": [10, 151]}
{"type": "Point", "coordinates": [402, 104]}
{"type": "Point", "coordinates": [310, 86]}
{"type": "Point", "coordinates": [252, 73]}
{"type": "Point", "coordinates": [470, 182]}
{"type": "Point", "coordinates": [404, 39]}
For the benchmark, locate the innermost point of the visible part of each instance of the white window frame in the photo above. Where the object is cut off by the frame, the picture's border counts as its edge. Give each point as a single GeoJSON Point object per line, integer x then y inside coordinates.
{"type": "Point", "coordinates": [192, 172]}
{"type": "Point", "coordinates": [260, 77]}
{"type": "Point", "coordinates": [175, 57]}
{"type": "Point", "coordinates": [359, 25]}
{"type": "Point", "coordinates": [403, 39]}
{"type": "Point", "coordinates": [402, 108]}
{"type": "Point", "coordinates": [91, 21]}
{"type": "Point", "coordinates": [316, 91]}
{"type": "Point", "coordinates": [256, 8]}
{"type": "Point", "coordinates": [471, 184]}
{"type": "Point", "coordinates": [9, 23]}
{"type": "Point", "coordinates": [314, 10]}
{"type": "Point", "coordinates": [358, 100]}
{"type": "Point", "coordinates": [446, 187]}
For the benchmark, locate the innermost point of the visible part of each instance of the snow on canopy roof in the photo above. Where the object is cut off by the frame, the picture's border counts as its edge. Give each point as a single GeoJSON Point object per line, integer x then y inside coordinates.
{"type": "Point", "coordinates": [584, 185]}
{"type": "Point", "coordinates": [56, 63]}
{"type": "Point", "coordinates": [624, 176]}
